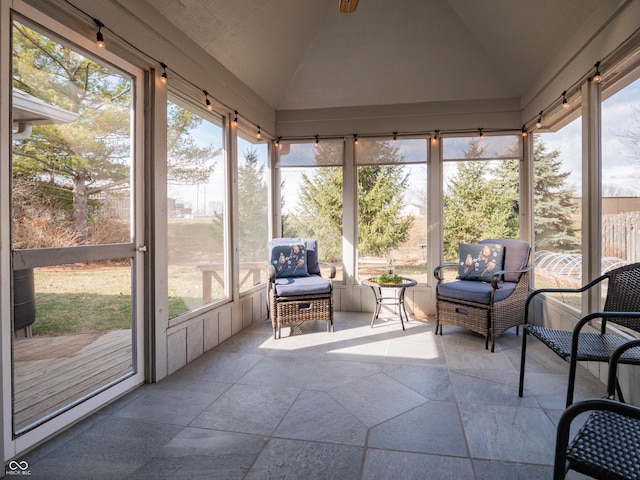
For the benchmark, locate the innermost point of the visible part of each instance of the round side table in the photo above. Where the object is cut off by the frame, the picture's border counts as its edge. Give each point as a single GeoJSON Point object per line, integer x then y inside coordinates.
{"type": "Point", "coordinates": [395, 300]}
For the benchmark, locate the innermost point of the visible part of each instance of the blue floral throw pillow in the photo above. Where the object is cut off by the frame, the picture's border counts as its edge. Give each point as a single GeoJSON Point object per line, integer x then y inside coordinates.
{"type": "Point", "coordinates": [479, 261]}
{"type": "Point", "coordinates": [289, 260]}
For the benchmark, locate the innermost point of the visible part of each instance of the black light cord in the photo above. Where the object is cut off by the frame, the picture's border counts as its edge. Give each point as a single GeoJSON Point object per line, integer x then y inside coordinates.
{"type": "Point", "coordinates": [562, 100]}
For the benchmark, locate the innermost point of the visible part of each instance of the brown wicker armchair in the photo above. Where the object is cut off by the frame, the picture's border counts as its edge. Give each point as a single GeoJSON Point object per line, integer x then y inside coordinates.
{"type": "Point", "coordinates": [296, 291]}
{"type": "Point", "coordinates": [486, 307]}
{"type": "Point", "coordinates": [607, 446]}
{"type": "Point", "coordinates": [621, 307]}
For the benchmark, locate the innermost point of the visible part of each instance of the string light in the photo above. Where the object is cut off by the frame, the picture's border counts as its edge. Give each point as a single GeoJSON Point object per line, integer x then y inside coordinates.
{"type": "Point", "coordinates": [597, 78]}
{"type": "Point", "coordinates": [207, 102]}
{"type": "Point", "coordinates": [163, 77]}
{"type": "Point", "coordinates": [99, 37]}
{"type": "Point", "coordinates": [524, 130]}
{"type": "Point", "coordinates": [259, 134]}
{"type": "Point", "coordinates": [317, 141]}
{"type": "Point", "coordinates": [565, 102]}
{"type": "Point", "coordinates": [481, 134]}
{"type": "Point", "coordinates": [278, 141]}
{"type": "Point", "coordinates": [395, 136]}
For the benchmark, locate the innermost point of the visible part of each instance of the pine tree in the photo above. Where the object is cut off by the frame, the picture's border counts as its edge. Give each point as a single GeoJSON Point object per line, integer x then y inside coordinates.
{"type": "Point", "coordinates": [381, 199]}
{"type": "Point", "coordinates": [553, 203]}
{"type": "Point", "coordinates": [60, 168]}
{"type": "Point", "coordinates": [476, 206]}
{"type": "Point", "coordinates": [252, 208]}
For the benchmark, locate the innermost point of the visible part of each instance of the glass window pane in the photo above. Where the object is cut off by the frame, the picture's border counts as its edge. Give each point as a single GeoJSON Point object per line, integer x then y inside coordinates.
{"type": "Point", "coordinates": [196, 208]}
{"type": "Point", "coordinates": [620, 177]}
{"type": "Point", "coordinates": [328, 153]}
{"type": "Point", "coordinates": [72, 163]}
{"type": "Point", "coordinates": [557, 208]}
{"type": "Point", "coordinates": [493, 147]}
{"type": "Point", "coordinates": [481, 192]}
{"type": "Point", "coordinates": [253, 202]}
{"type": "Point", "coordinates": [312, 198]}
{"type": "Point", "coordinates": [72, 152]}
{"type": "Point", "coordinates": [392, 207]}
{"type": "Point", "coordinates": [80, 316]}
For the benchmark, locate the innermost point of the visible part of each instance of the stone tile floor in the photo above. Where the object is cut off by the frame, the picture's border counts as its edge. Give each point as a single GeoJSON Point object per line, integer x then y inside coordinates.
{"type": "Point", "coordinates": [358, 403]}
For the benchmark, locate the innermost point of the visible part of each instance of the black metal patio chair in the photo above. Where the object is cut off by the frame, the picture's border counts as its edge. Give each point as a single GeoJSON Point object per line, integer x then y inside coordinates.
{"type": "Point", "coordinates": [608, 444]}
{"type": "Point", "coordinates": [621, 309]}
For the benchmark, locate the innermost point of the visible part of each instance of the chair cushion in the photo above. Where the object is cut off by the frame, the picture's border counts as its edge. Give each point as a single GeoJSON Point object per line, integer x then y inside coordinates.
{"type": "Point", "coordinates": [479, 261]}
{"type": "Point", "coordinates": [311, 285]}
{"type": "Point", "coordinates": [289, 259]}
{"type": "Point", "coordinates": [516, 256]}
{"type": "Point", "coordinates": [474, 291]}
{"type": "Point", "coordinates": [312, 251]}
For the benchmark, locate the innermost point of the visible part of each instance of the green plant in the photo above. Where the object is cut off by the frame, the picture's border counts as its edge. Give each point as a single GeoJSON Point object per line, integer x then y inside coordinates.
{"type": "Point", "coordinates": [387, 278]}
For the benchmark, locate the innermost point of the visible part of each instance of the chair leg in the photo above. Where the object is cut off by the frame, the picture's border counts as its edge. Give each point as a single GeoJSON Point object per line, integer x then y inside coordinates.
{"type": "Point", "coordinates": [573, 365]}
{"type": "Point", "coordinates": [493, 343]}
{"type": "Point", "coordinates": [275, 333]}
{"type": "Point", "coordinates": [522, 359]}
{"type": "Point", "coordinates": [619, 391]}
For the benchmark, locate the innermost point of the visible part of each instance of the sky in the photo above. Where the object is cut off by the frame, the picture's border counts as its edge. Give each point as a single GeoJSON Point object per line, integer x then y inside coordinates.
{"type": "Point", "coordinates": [621, 171]}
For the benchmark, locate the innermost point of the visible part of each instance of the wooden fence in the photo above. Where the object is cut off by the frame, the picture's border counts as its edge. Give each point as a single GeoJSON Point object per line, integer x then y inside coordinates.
{"type": "Point", "coordinates": [621, 236]}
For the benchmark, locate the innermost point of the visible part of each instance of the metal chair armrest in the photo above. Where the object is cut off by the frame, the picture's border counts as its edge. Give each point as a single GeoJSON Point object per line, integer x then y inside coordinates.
{"type": "Point", "coordinates": [271, 272]}
{"type": "Point", "coordinates": [332, 268]}
{"type": "Point", "coordinates": [495, 279]}
{"type": "Point", "coordinates": [437, 272]}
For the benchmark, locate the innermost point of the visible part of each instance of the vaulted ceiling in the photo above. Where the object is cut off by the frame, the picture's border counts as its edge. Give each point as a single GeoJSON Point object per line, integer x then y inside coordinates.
{"type": "Point", "coordinates": [304, 54]}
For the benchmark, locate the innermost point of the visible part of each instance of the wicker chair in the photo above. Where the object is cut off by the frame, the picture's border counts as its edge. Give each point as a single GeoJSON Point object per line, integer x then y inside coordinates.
{"type": "Point", "coordinates": [487, 308]}
{"type": "Point", "coordinates": [296, 291]}
{"type": "Point", "coordinates": [608, 444]}
{"type": "Point", "coordinates": [621, 307]}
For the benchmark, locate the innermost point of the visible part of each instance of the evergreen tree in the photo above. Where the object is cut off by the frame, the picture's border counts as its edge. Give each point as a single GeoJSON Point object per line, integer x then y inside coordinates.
{"type": "Point", "coordinates": [553, 202]}
{"type": "Point", "coordinates": [475, 207]}
{"type": "Point", "coordinates": [60, 168]}
{"type": "Point", "coordinates": [381, 199]}
{"type": "Point", "coordinates": [318, 211]}
{"type": "Point", "coordinates": [483, 201]}
{"type": "Point", "coordinates": [252, 206]}
{"type": "Point", "coordinates": [88, 155]}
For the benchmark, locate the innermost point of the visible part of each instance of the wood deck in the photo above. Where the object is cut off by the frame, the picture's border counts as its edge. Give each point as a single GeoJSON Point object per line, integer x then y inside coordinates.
{"type": "Point", "coordinates": [52, 372]}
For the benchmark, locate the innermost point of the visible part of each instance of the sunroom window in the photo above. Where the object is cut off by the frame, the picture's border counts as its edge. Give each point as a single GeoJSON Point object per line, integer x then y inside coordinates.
{"type": "Point", "coordinates": [196, 207]}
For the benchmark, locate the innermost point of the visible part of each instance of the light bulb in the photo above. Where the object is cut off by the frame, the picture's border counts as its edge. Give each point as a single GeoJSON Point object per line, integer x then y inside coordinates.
{"type": "Point", "coordinates": [99, 37]}
{"type": "Point", "coordinates": [597, 78]}
{"type": "Point", "coordinates": [163, 77]}
{"type": "Point", "coordinates": [100, 40]}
